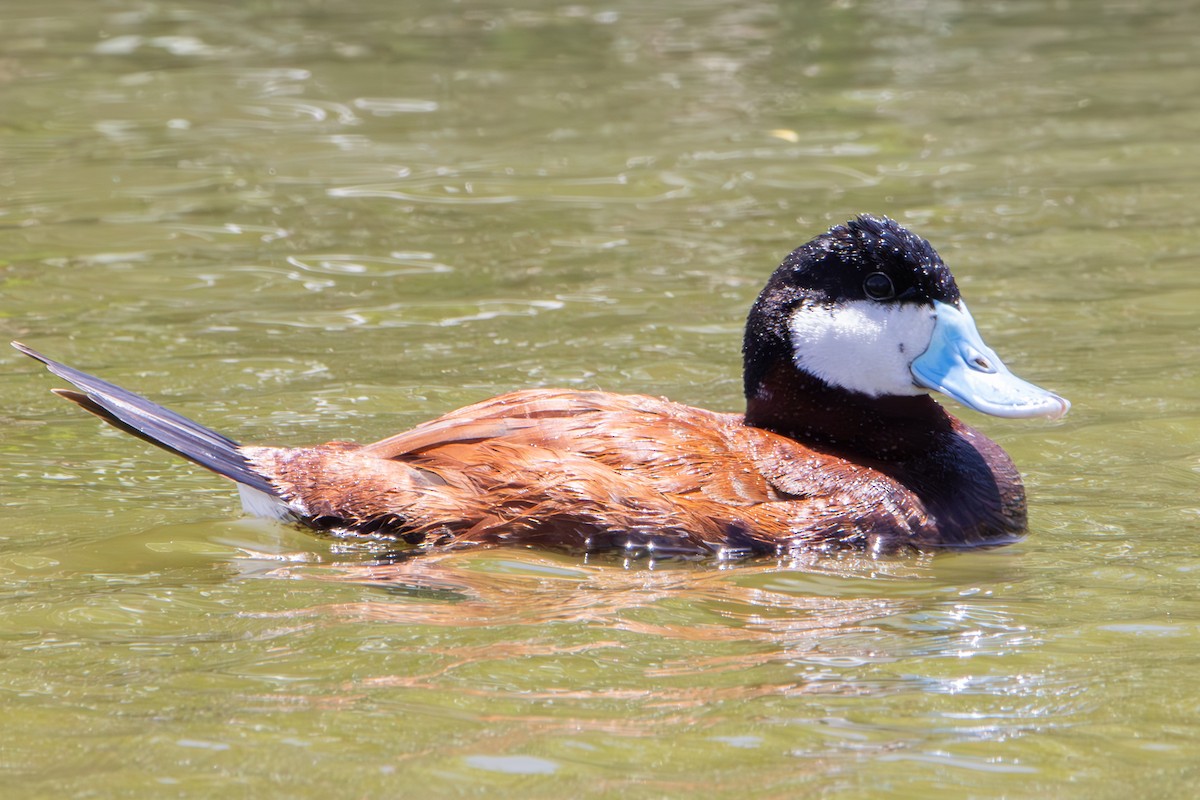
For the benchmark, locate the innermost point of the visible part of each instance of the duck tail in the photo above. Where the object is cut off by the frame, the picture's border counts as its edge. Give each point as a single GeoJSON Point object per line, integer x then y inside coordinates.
{"type": "Point", "coordinates": [157, 425]}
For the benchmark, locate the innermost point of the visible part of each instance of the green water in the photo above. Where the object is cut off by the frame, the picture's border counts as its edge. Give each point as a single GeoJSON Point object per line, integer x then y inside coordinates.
{"type": "Point", "coordinates": [315, 220]}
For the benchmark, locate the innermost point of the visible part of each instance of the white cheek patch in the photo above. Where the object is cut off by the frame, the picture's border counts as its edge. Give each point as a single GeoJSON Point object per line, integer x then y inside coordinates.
{"type": "Point", "coordinates": [862, 345]}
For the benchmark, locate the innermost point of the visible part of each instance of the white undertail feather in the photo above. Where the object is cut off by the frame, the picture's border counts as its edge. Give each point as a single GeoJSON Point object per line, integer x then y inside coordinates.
{"type": "Point", "coordinates": [260, 504]}
{"type": "Point", "coordinates": [862, 345]}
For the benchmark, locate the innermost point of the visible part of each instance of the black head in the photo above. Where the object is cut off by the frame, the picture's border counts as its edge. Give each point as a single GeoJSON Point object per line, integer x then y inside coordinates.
{"type": "Point", "coordinates": [868, 259]}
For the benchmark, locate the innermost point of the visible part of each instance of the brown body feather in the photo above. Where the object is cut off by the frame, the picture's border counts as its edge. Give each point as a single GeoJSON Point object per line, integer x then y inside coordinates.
{"type": "Point", "coordinates": [591, 470]}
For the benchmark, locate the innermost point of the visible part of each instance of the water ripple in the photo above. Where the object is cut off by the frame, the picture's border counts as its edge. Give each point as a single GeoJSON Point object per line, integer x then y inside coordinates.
{"type": "Point", "coordinates": [375, 266]}
{"type": "Point", "coordinates": [389, 106]}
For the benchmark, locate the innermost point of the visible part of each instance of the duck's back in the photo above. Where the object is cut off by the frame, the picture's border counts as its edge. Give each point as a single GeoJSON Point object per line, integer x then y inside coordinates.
{"type": "Point", "coordinates": [593, 470]}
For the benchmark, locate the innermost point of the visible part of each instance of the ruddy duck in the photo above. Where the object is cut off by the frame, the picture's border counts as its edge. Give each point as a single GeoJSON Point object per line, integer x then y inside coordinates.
{"type": "Point", "coordinates": [840, 445]}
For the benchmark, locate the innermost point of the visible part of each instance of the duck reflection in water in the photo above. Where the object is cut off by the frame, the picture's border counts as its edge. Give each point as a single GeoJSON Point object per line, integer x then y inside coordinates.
{"type": "Point", "coordinates": [684, 636]}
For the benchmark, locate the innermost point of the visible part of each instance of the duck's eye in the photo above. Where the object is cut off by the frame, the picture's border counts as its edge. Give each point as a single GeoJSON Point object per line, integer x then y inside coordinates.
{"type": "Point", "coordinates": [879, 286]}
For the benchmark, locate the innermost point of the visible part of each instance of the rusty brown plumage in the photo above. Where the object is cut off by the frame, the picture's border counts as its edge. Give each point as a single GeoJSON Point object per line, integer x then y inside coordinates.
{"type": "Point", "coordinates": [591, 470]}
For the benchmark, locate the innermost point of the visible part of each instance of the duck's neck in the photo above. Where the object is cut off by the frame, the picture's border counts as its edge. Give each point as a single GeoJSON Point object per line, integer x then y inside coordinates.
{"type": "Point", "coordinates": [885, 429]}
{"type": "Point", "coordinates": [966, 481]}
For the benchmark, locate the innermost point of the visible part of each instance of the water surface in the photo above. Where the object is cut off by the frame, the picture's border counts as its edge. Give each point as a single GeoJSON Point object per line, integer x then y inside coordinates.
{"type": "Point", "coordinates": [299, 222]}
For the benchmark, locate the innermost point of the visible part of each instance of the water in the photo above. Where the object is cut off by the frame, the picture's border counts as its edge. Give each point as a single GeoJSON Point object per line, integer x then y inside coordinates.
{"type": "Point", "coordinates": [299, 222]}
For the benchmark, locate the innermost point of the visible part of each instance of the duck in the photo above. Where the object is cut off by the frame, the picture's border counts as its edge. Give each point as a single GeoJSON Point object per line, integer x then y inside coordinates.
{"type": "Point", "coordinates": [840, 447]}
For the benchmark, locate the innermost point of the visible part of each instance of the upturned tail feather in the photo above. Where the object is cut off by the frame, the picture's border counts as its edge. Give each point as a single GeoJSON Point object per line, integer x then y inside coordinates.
{"type": "Point", "coordinates": [151, 422]}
